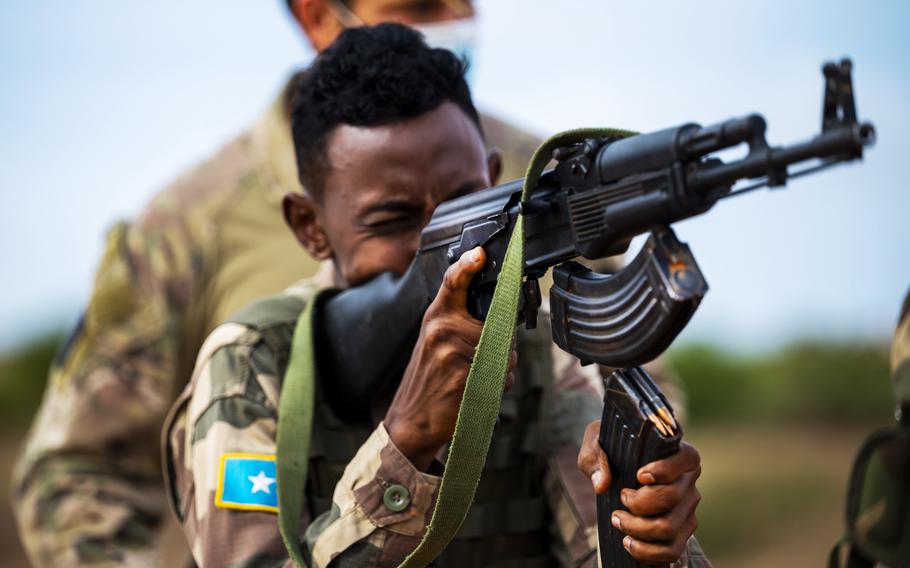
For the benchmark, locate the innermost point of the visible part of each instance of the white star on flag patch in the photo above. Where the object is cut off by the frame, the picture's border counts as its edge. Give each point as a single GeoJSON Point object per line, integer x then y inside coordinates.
{"type": "Point", "coordinates": [247, 482]}
{"type": "Point", "coordinates": [261, 482]}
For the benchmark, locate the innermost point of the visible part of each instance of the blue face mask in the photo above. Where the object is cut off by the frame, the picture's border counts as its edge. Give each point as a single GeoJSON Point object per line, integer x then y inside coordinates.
{"type": "Point", "coordinates": [458, 36]}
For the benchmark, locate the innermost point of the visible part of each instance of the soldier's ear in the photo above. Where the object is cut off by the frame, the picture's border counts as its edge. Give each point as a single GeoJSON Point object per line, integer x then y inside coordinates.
{"type": "Point", "coordinates": [494, 165]}
{"type": "Point", "coordinates": [317, 20]}
{"type": "Point", "coordinates": [300, 213]}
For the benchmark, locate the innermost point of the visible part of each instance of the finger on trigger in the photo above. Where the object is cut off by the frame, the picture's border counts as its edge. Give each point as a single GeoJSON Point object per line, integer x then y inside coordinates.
{"type": "Point", "coordinates": [457, 278]}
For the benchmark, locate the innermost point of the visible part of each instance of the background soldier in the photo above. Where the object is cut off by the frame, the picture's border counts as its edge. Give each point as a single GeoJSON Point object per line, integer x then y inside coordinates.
{"type": "Point", "coordinates": [88, 487]}
{"type": "Point", "coordinates": [878, 494]}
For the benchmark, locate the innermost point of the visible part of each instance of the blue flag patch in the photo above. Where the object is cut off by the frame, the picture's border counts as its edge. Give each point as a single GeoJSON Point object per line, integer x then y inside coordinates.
{"type": "Point", "coordinates": [247, 482]}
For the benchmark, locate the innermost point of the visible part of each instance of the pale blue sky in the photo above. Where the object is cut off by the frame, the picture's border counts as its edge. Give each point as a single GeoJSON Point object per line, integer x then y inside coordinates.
{"type": "Point", "coordinates": [103, 102]}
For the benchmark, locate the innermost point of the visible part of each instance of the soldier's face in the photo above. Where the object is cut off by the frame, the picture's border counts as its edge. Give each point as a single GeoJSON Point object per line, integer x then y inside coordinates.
{"type": "Point", "coordinates": [409, 12]}
{"type": "Point", "coordinates": [323, 20]}
{"type": "Point", "coordinates": [384, 184]}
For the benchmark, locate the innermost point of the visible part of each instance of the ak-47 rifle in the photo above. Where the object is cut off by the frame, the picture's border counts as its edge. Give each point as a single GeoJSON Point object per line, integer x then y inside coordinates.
{"type": "Point", "coordinates": [601, 193]}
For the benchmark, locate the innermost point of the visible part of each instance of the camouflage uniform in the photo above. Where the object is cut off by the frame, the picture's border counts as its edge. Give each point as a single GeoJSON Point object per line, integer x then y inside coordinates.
{"type": "Point", "coordinates": [900, 358]}
{"type": "Point", "coordinates": [878, 494]}
{"type": "Point", "coordinates": [87, 489]}
{"type": "Point", "coordinates": [533, 507]}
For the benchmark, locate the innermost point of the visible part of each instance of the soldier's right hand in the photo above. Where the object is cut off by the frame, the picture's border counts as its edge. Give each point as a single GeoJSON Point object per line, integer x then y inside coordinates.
{"type": "Point", "coordinates": [422, 415]}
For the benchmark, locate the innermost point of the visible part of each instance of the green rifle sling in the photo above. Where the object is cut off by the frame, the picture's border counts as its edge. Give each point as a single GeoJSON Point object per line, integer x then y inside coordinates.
{"type": "Point", "coordinates": [479, 406]}
{"type": "Point", "coordinates": [295, 427]}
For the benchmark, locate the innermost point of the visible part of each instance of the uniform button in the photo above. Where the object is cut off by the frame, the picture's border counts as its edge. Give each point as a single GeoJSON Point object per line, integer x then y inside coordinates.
{"type": "Point", "coordinates": [396, 498]}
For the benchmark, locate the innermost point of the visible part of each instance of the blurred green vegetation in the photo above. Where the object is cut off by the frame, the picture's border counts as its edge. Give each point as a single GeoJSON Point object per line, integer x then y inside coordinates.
{"type": "Point", "coordinates": [23, 373]}
{"type": "Point", "coordinates": [845, 384]}
{"type": "Point", "coordinates": [808, 382]}
{"type": "Point", "coordinates": [778, 433]}
{"type": "Point", "coordinates": [773, 495]}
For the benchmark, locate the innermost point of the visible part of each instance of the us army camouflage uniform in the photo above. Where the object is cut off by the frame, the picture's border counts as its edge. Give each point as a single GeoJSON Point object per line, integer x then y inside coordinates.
{"type": "Point", "coordinates": [87, 489]}
{"type": "Point", "coordinates": [533, 508]}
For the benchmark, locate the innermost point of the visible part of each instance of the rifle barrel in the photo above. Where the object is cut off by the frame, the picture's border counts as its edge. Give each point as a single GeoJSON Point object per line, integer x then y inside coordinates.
{"type": "Point", "coordinates": [841, 144]}
{"type": "Point", "coordinates": [696, 143]}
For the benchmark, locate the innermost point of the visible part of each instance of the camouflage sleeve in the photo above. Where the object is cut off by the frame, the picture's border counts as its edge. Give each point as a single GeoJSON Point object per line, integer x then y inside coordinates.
{"type": "Point", "coordinates": [578, 401]}
{"type": "Point", "coordinates": [900, 356]}
{"type": "Point", "coordinates": [87, 491]}
{"type": "Point", "coordinates": [220, 457]}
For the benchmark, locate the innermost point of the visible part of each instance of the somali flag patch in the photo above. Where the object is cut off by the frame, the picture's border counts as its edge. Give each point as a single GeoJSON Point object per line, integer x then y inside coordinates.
{"type": "Point", "coordinates": [247, 482]}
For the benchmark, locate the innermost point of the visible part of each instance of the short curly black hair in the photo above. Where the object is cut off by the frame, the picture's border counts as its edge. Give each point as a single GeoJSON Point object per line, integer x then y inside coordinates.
{"type": "Point", "coordinates": [371, 76]}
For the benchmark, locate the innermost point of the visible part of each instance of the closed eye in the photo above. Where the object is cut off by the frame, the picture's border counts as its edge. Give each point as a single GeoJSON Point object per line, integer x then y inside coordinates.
{"type": "Point", "coordinates": [393, 216]}
{"type": "Point", "coordinates": [394, 224]}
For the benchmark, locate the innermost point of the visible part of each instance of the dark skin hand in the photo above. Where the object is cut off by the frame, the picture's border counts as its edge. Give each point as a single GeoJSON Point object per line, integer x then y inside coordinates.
{"type": "Point", "coordinates": [661, 513]}
{"type": "Point", "coordinates": [422, 416]}
{"type": "Point", "coordinates": [382, 187]}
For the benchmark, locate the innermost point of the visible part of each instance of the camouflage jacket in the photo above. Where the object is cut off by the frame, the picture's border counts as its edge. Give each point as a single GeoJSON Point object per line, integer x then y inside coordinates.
{"type": "Point", "coordinates": [219, 453]}
{"type": "Point", "coordinates": [87, 488]}
{"type": "Point", "coordinates": [878, 492]}
{"type": "Point", "coordinates": [900, 357]}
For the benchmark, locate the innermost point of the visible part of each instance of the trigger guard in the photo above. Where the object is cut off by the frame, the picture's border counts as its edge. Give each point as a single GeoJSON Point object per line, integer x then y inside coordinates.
{"type": "Point", "coordinates": [481, 297]}
{"type": "Point", "coordinates": [479, 300]}
{"type": "Point", "coordinates": [628, 318]}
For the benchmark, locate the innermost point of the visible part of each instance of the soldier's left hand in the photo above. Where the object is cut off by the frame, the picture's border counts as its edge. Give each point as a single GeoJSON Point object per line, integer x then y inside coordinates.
{"type": "Point", "coordinates": [661, 515]}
